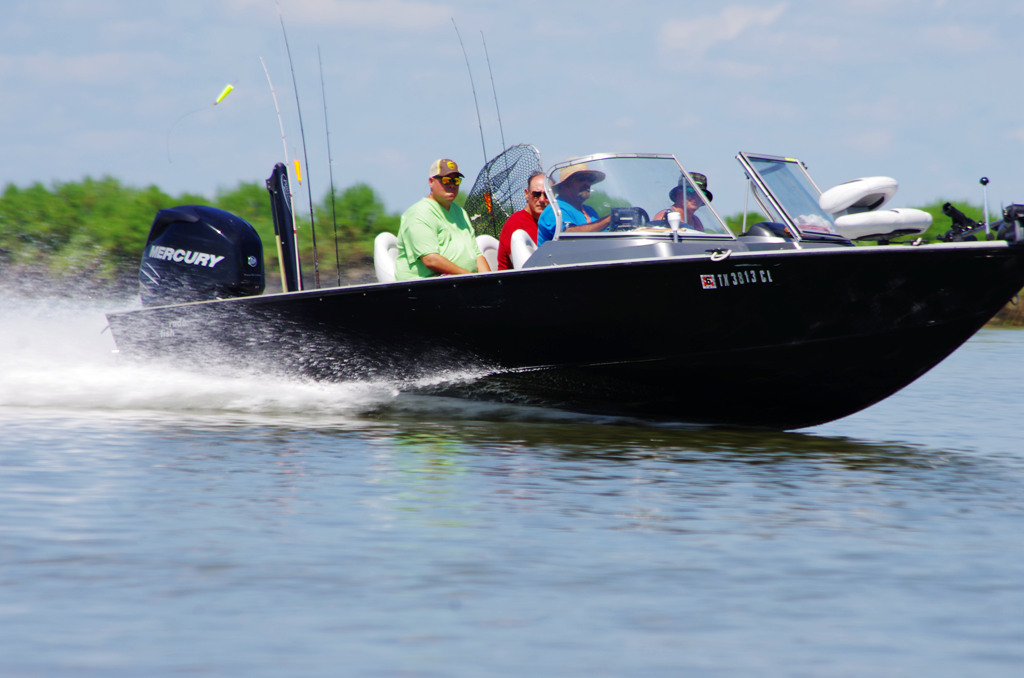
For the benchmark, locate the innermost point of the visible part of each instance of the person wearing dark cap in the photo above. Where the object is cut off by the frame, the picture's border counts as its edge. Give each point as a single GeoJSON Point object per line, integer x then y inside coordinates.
{"type": "Point", "coordinates": [573, 189]}
{"type": "Point", "coordinates": [686, 201]}
{"type": "Point", "coordinates": [435, 236]}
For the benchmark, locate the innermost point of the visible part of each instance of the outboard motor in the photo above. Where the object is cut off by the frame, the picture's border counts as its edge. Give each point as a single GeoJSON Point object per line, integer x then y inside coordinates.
{"type": "Point", "coordinates": [196, 253]}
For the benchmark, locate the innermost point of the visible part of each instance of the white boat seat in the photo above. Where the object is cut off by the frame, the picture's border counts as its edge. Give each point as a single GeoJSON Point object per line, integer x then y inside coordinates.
{"type": "Point", "coordinates": [522, 247]}
{"type": "Point", "coordinates": [859, 195]}
{"type": "Point", "coordinates": [883, 224]}
{"type": "Point", "coordinates": [385, 251]}
{"type": "Point", "coordinates": [489, 248]}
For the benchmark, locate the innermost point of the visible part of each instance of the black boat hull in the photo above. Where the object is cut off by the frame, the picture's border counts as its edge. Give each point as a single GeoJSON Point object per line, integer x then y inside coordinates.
{"type": "Point", "coordinates": [774, 339]}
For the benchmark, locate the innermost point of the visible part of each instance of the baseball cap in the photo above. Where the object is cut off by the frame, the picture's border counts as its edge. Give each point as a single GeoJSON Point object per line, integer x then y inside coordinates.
{"type": "Point", "coordinates": [444, 168]}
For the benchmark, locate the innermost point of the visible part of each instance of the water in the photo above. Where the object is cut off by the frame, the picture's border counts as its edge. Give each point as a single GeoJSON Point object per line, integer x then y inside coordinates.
{"type": "Point", "coordinates": [161, 523]}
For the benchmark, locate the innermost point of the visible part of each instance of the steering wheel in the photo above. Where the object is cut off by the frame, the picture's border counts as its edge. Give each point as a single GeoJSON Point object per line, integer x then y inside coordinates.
{"type": "Point", "coordinates": [625, 218]}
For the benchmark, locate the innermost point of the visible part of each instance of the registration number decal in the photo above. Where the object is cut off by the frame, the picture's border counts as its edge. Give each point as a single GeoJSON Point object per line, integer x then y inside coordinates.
{"type": "Point", "coordinates": [751, 276]}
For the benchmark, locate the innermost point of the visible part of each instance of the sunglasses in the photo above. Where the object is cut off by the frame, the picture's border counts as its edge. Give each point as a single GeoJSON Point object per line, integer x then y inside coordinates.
{"type": "Point", "coordinates": [450, 181]}
{"type": "Point", "coordinates": [537, 194]}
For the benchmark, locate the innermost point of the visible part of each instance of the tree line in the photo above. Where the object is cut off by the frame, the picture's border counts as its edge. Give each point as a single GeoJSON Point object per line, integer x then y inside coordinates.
{"type": "Point", "coordinates": [91, 233]}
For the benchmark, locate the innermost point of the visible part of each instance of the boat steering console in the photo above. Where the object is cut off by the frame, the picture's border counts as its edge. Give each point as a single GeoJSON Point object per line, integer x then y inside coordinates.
{"type": "Point", "coordinates": [626, 218]}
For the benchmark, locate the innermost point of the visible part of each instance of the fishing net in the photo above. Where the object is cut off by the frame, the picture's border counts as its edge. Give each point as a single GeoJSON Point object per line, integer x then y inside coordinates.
{"type": "Point", "coordinates": [499, 188]}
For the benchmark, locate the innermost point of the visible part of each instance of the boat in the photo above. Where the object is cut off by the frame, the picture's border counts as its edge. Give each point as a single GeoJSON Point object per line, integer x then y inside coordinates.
{"type": "Point", "coordinates": [804, 317]}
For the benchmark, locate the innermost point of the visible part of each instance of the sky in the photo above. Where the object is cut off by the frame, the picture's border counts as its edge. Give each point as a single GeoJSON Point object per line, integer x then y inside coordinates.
{"type": "Point", "coordinates": [930, 92]}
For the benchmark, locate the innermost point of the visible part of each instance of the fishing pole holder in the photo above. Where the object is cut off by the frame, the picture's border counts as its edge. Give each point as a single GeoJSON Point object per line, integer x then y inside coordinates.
{"type": "Point", "coordinates": [963, 227]}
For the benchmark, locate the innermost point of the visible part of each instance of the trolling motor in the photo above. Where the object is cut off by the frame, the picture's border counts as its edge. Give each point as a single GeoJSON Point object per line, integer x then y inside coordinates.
{"type": "Point", "coordinates": [1011, 227]}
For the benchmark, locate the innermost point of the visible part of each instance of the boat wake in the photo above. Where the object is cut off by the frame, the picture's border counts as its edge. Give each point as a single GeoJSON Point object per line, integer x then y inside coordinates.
{"type": "Point", "coordinates": [57, 356]}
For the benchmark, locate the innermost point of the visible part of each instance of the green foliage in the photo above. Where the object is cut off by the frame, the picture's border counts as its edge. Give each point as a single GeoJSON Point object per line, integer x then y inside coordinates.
{"type": "Point", "coordinates": [92, 227]}
{"type": "Point", "coordinates": [735, 222]}
{"type": "Point", "coordinates": [359, 216]}
{"type": "Point", "coordinates": [96, 229]}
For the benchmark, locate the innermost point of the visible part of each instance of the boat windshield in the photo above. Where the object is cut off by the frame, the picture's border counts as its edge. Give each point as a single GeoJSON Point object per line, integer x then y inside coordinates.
{"type": "Point", "coordinates": [641, 193]}
{"type": "Point", "coordinates": [787, 193]}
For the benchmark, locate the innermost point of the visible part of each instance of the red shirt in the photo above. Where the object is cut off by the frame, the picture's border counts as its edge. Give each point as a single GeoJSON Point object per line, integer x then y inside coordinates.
{"type": "Point", "coordinates": [521, 219]}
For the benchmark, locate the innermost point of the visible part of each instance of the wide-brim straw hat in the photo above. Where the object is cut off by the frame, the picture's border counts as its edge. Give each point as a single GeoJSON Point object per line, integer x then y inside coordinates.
{"type": "Point", "coordinates": [579, 169]}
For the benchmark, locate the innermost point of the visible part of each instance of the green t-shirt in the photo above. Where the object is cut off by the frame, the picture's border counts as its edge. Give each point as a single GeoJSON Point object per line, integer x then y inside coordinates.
{"type": "Point", "coordinates": [428, 228]}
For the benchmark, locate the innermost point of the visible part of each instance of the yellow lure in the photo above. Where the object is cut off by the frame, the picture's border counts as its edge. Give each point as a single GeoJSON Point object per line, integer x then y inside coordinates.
{"type": "Point", "coordinates": [224, 93]}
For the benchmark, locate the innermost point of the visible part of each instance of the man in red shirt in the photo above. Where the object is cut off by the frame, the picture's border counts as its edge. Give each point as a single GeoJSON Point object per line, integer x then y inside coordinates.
{"type": "Point", "coordinates": [526, 219]}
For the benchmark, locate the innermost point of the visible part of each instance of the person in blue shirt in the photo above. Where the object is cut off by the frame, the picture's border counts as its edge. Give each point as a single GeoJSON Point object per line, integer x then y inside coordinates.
{"type": "Point", "coordinates": [573, 189]}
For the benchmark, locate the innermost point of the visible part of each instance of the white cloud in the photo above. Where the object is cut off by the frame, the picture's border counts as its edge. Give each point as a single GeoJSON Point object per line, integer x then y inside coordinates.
{"type": "Point", "coordinates": [886, 109]}
{"type": "Point", "coordinates": [872, 142]}
{"type": "Point", "coordinates": [49, 69]}
{"type": "Point", "coordinates": [959, 38]}
{"type": "Point", "coordinates": [403, 15]}
{"type": "Point", "coordinates": [772, 110]}
{"type": "Point", "coordinates": [695, 36]}
{"type": "Point", "coordinates": [688, 120]}
{"type": "Point", "coordinates": [742, 70]}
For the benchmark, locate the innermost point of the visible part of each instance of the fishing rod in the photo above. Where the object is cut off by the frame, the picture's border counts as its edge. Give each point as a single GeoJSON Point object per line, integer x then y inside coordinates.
{"type": "Point", "coordinates": [510, 207]}
{"type": "Point", "coordinates": [488, 191]}
{"type": "Point", "coordinates": [305, 157]}
{"type": "Point", "coordinates": [280, 250]}
{"type": "Point", "coordinates": [473, 87]}
{"type": "Point", "coordinates": [494, 90]}
{"type": "Point", "coordinates": [330, 164]}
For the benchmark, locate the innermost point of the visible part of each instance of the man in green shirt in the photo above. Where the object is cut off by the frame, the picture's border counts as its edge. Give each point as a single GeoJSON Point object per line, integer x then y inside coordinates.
{"type": "Point", "coordinates": [435, 236]}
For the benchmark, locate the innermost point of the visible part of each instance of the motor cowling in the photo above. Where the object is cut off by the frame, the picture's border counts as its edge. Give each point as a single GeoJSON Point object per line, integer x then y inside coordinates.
{"type": "Point", "coordinates": [197, 253]}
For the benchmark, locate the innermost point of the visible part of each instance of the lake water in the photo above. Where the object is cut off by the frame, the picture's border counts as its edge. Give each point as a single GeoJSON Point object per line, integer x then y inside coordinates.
{"type": "Point", "coordinates": [160, 523]}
